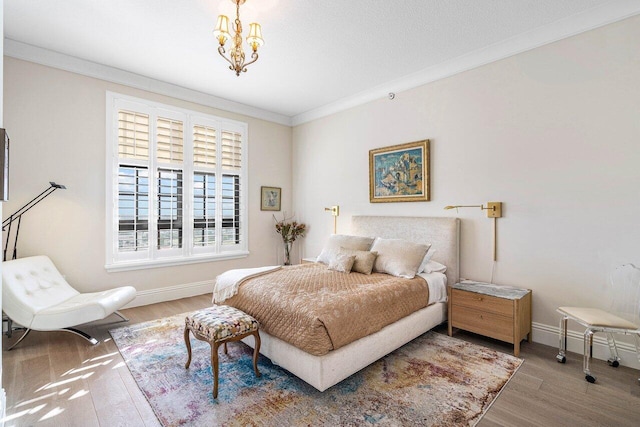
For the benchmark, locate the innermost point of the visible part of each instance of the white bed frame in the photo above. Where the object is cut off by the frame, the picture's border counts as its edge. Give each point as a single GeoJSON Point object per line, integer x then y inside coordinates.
{"type": "Point", "coordinates": [324, 371]}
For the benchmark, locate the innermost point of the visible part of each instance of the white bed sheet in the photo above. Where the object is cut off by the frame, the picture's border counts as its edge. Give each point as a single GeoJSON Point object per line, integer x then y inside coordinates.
{"type": "Point", "coordinates": [437, 286]}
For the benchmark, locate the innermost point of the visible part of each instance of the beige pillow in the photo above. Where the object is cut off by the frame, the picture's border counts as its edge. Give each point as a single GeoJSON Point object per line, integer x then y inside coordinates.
{"type": "Point", "coordinates": [342, 262]}
{"type": "Point", "coordinates": [337, 241]}
{"type": "Point", "coordinates": [398, 257]}
{"type": "Point", "coordinates": [364, 260]}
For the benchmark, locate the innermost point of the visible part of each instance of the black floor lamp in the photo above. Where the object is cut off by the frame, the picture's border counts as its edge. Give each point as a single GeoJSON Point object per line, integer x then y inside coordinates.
{"type": "Point", "coordinates": [17, 215]}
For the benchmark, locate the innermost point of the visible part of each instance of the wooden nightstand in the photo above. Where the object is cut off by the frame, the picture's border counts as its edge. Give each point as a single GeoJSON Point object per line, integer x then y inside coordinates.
{"type": "Point", "coordinates": [499, 312]}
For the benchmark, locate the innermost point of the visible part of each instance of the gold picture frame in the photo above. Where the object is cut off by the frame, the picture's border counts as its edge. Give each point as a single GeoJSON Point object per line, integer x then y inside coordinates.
{"type": "Point", "coordinates": [400, 173]}
{"type": "Point", "coordinates": [270, 198]}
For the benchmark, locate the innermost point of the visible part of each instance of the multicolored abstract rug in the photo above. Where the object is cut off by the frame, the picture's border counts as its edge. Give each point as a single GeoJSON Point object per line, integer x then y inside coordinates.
{"type": "Point", "coordinates": [435, 380]}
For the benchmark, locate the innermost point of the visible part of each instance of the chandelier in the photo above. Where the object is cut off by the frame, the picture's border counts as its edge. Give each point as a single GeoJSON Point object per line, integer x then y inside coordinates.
{"type": "Point", "coordinates": [236, 55]}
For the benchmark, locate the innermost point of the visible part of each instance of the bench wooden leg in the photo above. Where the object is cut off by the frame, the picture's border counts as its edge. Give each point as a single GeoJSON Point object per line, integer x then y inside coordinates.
{"type": "Point", "coordinates": [214, 367]}
{"type": "Point", "coordinates": [256, 351]}
{"type": "Point", "coordinates": [187, 342]}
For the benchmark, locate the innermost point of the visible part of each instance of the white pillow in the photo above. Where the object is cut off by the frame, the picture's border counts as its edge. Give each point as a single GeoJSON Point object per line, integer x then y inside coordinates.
{"type": "Point", "coordinates": [342, 262]}
{"type": "Point", "coordinates": [398, 257]}
{"type": "Point", "coordinates": [426, 259]}
{"type": "Point", "coordinates": [435, 267]}
{"type": "Point", "coordinates": [336, 241]}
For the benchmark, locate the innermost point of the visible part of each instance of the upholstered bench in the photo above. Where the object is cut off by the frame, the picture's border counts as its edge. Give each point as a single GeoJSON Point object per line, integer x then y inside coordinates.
{"type": "Point", "coordinates": [218, 325]}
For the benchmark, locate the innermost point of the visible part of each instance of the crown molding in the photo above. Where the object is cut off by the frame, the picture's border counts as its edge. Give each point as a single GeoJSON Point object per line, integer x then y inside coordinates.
{"type": "Point", "coordinates": [613, 11]}
{"type": "Point", "coordinates": [38, 55]}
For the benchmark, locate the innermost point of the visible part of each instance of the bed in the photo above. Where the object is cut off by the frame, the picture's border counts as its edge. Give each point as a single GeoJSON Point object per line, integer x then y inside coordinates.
{"type": "Point", "coordinates": [326, 368]}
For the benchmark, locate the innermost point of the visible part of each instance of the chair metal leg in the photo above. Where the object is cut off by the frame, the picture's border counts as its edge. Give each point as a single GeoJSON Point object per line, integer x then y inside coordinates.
{"type": "Point", "coordinates": [72, 330]}
{"type": "Point", "coordinates": [81, 334]}
{"type": "Point", "coordinates": [20, 339]}
{"type": "Point", "coordinates": [120, 315]}
{"type": "Point", "coordinates": [614, 360]}
{"type": "Point", "coordinates": [586, 357]}
{"type": "Point", "coordinates": [561, 357]}
{"type": "Point", "coordinates": [9, 325]}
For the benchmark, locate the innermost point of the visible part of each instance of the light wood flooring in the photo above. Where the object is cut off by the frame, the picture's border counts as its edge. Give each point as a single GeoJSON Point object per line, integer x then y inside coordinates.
{"type": "Point", "coordinates": [59, 379]}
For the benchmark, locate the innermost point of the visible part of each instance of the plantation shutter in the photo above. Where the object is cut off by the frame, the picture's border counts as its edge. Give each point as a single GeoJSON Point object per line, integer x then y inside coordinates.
{"type": "Point", "coordinates": [175, 186]}
{"type": "Point", "coordinates": [231, 150]}
{"type": "Point", "coordinates": [169, 204]}
{"type": "Point", "coordinates": [204, 146]}
{"type": "Point", "coordinates": [204, 209]}
{"type": "Point", "coordinates": [170, 144]}
{"type": "Point", "coordinates": [133, 181]}
{"type": "Point", "coordinates": [169, 195]}
{"type": "Point", "coordinates": [230, 210]}
{"type": "Point", "coordinates": [133, 208]}
{"type": "Point", "coordinates": [133, 135]}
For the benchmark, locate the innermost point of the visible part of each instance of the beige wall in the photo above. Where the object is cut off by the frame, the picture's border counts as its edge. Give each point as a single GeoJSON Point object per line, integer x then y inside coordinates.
{"type": "Point", "coordinates": [554, 133]}
{"type": "Point", "coordinates": [57, 122]}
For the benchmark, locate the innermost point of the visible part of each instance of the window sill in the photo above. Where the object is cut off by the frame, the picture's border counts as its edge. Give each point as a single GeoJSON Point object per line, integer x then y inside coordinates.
{"type": "Point", "coordinates": [169, 262]}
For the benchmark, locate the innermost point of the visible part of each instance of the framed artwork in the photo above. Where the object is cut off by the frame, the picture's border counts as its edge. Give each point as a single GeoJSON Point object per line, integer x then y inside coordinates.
{"type": "Point", "coordinates": [400, 173]}
{"type": "Point", "coordinates": [270, 198]}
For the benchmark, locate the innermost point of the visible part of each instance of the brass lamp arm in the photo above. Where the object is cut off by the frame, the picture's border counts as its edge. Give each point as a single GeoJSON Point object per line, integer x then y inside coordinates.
{"type": "Point", "coordinates": [465, 206]}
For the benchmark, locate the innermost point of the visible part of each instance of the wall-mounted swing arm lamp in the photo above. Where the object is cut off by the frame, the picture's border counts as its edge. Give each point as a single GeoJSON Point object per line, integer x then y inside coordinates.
{"type": "Point", "coordinates": [494, 210]}
{"type": "Point", "coordinates": [335, 211]}
{"type": "Point", "coordinates": [17, 215]}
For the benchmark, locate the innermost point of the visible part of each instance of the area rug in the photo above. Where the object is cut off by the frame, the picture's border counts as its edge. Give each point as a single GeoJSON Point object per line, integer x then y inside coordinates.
{"type": "Point", "coordinates": [435, 380]}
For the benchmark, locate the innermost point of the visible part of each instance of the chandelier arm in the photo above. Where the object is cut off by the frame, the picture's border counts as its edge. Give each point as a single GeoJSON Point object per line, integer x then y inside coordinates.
{"type": "Point", "coordinates": [254, 57]}
{"type": "Point", "coordinates": [222, 52]}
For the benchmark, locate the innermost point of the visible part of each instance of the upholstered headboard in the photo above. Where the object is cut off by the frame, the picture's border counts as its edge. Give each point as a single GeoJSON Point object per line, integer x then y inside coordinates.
{"type": "Point", "coordinates": [442, 233]}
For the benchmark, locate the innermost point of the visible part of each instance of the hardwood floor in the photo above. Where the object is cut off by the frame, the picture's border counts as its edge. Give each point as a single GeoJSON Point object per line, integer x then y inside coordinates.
{"type": "Point", "coordinates": [59, 379]}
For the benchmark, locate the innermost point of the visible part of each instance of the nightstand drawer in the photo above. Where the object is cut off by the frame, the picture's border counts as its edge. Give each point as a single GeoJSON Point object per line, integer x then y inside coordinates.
{"type": "Point", "coordinates": [484, 323]}
{"type": "Point", "coordinates": [482, 302]}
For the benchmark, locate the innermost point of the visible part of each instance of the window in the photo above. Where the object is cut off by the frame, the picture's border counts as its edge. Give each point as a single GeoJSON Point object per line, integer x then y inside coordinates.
{"type": "Point", "coordinates": [176, 184]}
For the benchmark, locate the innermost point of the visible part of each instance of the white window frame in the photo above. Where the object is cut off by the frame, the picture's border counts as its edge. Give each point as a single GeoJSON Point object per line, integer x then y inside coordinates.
{"type": "Point", "coordinates": [188, 254]}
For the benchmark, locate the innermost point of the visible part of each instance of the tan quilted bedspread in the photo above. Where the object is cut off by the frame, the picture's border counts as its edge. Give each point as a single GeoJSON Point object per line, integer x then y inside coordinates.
{"type": "Point", "coordinates": [319, 310]}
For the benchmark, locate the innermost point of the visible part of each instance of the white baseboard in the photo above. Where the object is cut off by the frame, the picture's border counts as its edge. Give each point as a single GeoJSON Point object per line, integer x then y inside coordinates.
{"type": "Point", "coordinates": [170, 293]}
{"type": "Point", "coordinates": [550, 335]}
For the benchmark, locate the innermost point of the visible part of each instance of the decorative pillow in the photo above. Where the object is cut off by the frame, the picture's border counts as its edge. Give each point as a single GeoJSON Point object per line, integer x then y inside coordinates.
{"type": "Point", "coordinates": [336, 241]}
{"type": "Point", "coordinates": [398, 257]}
{"type": "Point", "coordinates": [426, 259]}
{"type": "Point", "coordinates": [364, 260]}
{"type": "Point", "coordinates": [342, 262]}
{"type": "Point", "coordinates": [435, 267]}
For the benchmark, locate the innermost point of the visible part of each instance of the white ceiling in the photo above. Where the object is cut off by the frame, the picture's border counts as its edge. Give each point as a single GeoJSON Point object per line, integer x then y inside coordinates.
{"type": "Point", "coordinates": [319, 55]}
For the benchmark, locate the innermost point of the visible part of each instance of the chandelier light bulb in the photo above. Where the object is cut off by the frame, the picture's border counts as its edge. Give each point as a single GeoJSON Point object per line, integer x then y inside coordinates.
{"type": "Point", "coordinates": [222, 30]}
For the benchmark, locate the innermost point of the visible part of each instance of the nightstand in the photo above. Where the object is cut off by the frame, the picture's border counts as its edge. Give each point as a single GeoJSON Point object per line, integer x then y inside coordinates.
{"type": "Point", "coordinates": [500, 312]}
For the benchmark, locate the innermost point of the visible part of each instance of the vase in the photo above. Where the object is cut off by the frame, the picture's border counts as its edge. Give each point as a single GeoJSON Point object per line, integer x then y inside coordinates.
{"type": "Point", "coordinates": [287, 253]}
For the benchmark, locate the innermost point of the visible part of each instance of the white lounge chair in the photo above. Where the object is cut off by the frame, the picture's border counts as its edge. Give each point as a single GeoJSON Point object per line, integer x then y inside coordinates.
{"type": "Point", "coordinates": [36, 296]}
